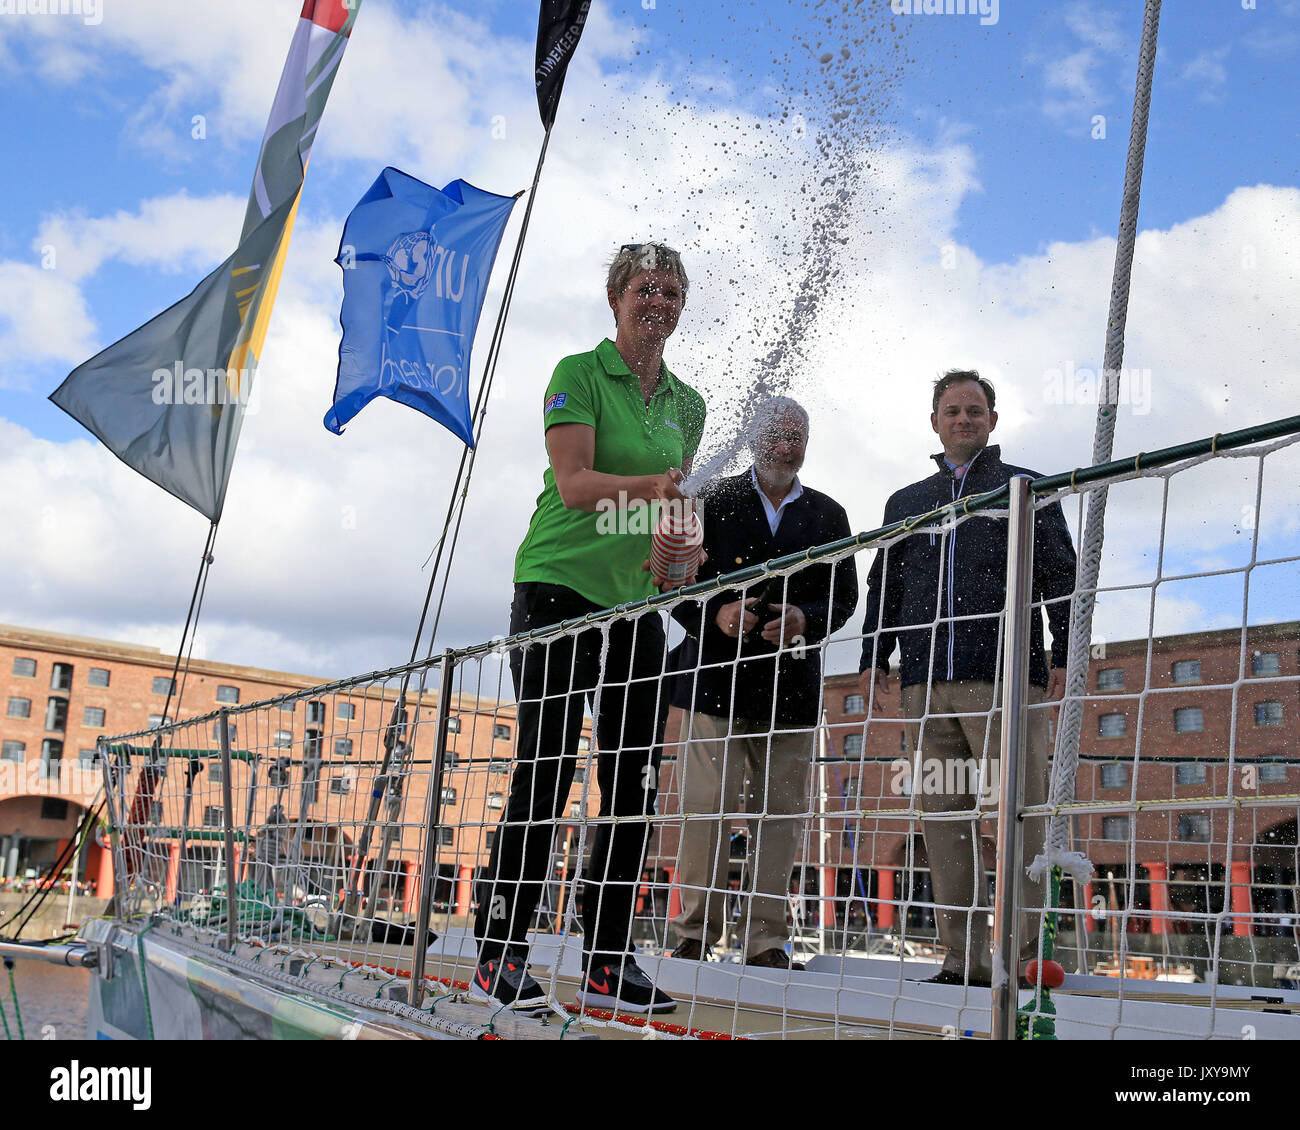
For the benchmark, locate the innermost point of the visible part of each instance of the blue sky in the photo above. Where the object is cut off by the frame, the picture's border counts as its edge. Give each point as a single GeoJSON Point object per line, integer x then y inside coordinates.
{"type": "Point", "coordinates": [982, 142]}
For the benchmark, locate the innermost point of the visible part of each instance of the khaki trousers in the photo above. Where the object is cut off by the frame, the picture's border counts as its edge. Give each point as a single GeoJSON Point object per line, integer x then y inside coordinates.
{"type": "Point", "coordinates": [719, 754]}
{"type": "Point", "coordinates": [952, 733]}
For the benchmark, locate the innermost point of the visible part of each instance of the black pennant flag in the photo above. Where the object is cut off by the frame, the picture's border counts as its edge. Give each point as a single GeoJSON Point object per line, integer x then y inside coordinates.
{"type": "Point", "coordinates": [559, 27]}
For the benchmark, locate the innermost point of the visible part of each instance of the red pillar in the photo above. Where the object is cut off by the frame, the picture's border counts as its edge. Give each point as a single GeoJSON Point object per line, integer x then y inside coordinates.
{"type": "Point", "coordinates": [464, 892]}
{"type": "Point", "coordinates": [173, 871]}
{"type": "Point", "coordinates": [1158, 884]}
{"type": "Point", "coordinates": [829, 877]}
{"type": "Point", "coordinates": [674, 894]}
{"type": "Point", "coordinates": [408, 888]}
{"type": "Point", "coordinates": [104, 875]}
{"type": "Point", "coordinates": [886, 911]}
{"type": "Point", "coordinates": [1090, 918]}
{"type": "Point", "coordinates": [1242, 924]}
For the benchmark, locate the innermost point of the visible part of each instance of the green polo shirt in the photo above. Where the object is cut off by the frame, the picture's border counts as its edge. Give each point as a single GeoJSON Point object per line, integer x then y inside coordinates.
{"type": "Point", "coordinates": [599, 555]}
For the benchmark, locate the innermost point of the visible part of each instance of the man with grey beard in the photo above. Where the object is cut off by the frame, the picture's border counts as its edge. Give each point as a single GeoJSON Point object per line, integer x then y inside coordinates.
{"type": "Point", "coordinates": [749, 685]}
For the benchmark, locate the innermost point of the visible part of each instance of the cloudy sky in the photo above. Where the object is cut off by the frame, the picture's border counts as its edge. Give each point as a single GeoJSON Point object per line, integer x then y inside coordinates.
{"type": "Point", "coordinates": [862, 199]}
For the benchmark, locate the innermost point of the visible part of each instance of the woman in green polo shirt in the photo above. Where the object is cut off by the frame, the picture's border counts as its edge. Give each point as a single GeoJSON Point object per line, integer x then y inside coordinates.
{"type": "Point", "coordinates": [621, 431]}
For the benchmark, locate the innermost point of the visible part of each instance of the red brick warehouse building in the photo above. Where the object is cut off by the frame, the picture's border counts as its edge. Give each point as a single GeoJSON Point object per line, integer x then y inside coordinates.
{"type": "Point", "coordinates": [1156, 736]}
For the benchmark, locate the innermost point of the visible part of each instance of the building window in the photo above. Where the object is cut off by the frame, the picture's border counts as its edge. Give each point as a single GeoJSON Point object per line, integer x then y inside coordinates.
{"type": "Point", "coordinates": [162, 684]}
{"type": "Point", "coordinates": [489, 839]}
{"type": "Point", "coordinates": [286, 707]}
{"type": "Point", "coordinates": [1111, 725]}
{"type": "Point", "coordinates": [282, 739]}
{"type": "Point", "coordinates": [97, 677]}
{"type": "Point", "coordinates": [25, 668]}
{"type": "Point", "coordinates": [496, 800]}
{"type": "Point", "coordinates": [347, 711]}
{"type": "Point", "coordinates": [1266, 714]}
{"type": "Point", "coordinates": [576, 811]}
{"type": "Point", "coordinates": [1265, 663]}
{"type": "Point", "coordinates": [584, 743]}
{"type": "Point", "coordinates": [92, 716]}
{"type": "Point", "coordinates": [342, 747]}
{"type": "Point", "coordinates": [13, 751]}
{"type": "Point", "coordinates": [579, 774]}
{"type": "Point", "coordinates": [1187, 671]}
{"type": "Point", "coordinates": [312, 746]}
{"type": "Point", "coordinates": [1190, 774]}
{"type": "Point", "coordinates": [446, 836]}
{"type": "Point", "coordinates": [215, 774]}
{"type": "Point", "coordinates": [315, 711]}
{"type": "Point", "coordinates": [500, 733]}
{"type": "Point", "coordinates": [56, 714]}
{"type": "Point", "coordinates": [498, 765]}
{"type": "Point", "coordinates": [448, 759]}
{"type": "Point", "coordinates": [61, 678]}
{"type": "Point", "coordinates": [854, 704]}
{"type": "Point", "coordinates": [1194, 826]}
{"type": "Point", "coordinates": [448, 795]}
{"type": "Point", "coordinates": [341, 786]}
{"type": "Point", "coordinates": [1114, 776]}
{"type": "Point", "coordinates": [158, 720]}
{"type": "Point", "coordinates": [231, 726]}
{"type": "Point", "coordinates": [453, 725]}
{"type": "Point", "coordinates": [20, 708]}
{"type": "Point", "coordinates": [212, 816]}
{"type": "Point", "coordinates": [853, 745]}
{"type": "Point", "coordinates": [53, 809]}
{"type": "Point", "coordinates": [51, 758]}
{"type": "Point", "coordinates": [227, 694]}
{"type": "Point", "coordinates": [1110, 679]}
{"type": "Point", "coordinates": [89, 758]}
{"type": "Point", "coordinates": [1270, 774]}
{"type": "Point", "coordinates": [1189, 720]}
{"type": "Point", "coordinates": [1114, 827]}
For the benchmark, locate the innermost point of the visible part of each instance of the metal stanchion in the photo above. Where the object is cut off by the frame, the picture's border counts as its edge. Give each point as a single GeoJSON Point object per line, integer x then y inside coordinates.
{"type": "Point", "coordinates": [1015, 694]}
{"type": "Point", "coordinates": [432, 816]}
{"type": "Point", "coordinates": [228, 810]}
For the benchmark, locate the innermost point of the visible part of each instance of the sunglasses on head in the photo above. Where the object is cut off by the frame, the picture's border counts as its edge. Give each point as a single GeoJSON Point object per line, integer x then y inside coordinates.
{"type": "Point", "coordinates": [639, 246]}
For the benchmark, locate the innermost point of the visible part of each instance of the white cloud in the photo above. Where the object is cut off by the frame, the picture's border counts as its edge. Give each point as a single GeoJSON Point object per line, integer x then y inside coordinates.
{"type": "Point", "coordinates": [1074, 88]}
{"type": "Point", "coordinates": [1207, 72]}
{"type": "Point", "coordinates": [318, 562]}
{"type": "Point", "coordinates": [43, 317]}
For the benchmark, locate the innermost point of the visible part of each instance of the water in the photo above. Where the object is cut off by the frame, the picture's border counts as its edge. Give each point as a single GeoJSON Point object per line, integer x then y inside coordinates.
{"type": "Point", "coordinates": [52, 998]}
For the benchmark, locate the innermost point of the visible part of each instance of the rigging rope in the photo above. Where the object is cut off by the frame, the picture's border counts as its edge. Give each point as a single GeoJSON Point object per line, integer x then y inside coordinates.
{"type": "Point", "coordinates": [1057, 857]}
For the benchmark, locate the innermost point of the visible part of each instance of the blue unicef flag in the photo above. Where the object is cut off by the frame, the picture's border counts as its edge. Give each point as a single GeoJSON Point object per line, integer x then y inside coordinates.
{"type": "Point", "coordinates": [416, 263]}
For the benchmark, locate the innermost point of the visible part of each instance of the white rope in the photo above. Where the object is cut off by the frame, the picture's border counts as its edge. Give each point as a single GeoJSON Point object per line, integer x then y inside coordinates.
{"type": "Point", "coordinates": [1067, 740]}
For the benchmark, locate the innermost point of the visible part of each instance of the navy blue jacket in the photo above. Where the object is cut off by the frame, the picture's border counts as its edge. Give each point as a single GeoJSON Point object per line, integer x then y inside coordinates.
{"type": "Point", "coordinates": [905, 603]}
{"type": "Point", "coordinates": [736, 534]}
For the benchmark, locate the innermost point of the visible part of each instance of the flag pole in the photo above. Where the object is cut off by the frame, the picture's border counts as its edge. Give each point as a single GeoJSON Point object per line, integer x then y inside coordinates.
{"type": "Point", "coordinates": [559, 27]}
{"type": "Point", "coordinates": [395, 747]}
{"type": "Point", "coordinates": [466, 469]}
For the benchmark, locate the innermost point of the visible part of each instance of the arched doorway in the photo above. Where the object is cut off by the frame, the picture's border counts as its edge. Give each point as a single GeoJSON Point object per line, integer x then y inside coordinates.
{"type": "Point", "coordinates": [35, 830]}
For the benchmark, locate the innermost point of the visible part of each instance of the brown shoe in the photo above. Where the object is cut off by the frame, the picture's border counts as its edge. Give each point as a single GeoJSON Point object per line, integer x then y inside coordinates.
{"type": "Point", "coordinates": [775, 959]}
{"type": "Point", "coordinates": [690, 949]}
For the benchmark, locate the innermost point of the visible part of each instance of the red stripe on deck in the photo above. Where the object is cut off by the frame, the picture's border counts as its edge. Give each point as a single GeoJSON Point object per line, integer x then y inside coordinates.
{"type": "Point", "coordinates": [329, 14]}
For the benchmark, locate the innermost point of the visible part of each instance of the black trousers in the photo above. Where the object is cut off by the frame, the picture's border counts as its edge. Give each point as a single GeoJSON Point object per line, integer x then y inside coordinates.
{"type": "Point", "coordinates": [552, 684]}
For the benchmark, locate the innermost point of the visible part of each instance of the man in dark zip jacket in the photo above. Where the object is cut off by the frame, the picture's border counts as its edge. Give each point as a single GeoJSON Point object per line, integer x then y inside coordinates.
{"type": "Point", "coordinates": [938, 595]}
{"type": "Point", "coordinates": [749, 687]}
